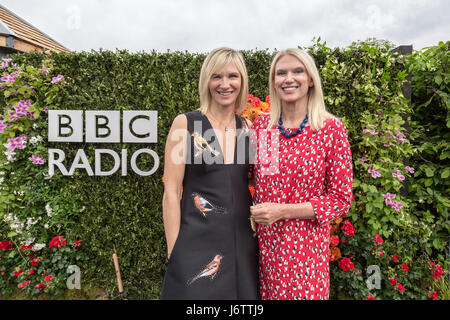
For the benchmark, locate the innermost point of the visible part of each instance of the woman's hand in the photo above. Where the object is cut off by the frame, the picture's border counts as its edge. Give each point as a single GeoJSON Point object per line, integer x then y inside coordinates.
{"type": "Point", "coordinates": [266, 213]}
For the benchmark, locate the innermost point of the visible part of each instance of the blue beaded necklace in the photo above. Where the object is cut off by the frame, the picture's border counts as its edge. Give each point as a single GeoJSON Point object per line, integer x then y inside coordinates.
{"type": "Point", "coordinates": [288, 135]}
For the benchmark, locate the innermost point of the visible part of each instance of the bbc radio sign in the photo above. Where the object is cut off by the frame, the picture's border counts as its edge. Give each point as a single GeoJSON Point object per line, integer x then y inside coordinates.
{"type": "Point", "coordinates": [102, 127]}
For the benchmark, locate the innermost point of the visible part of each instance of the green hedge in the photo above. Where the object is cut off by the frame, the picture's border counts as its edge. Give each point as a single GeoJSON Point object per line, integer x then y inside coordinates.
{"type": "Point", "coordinates": [123, 214]}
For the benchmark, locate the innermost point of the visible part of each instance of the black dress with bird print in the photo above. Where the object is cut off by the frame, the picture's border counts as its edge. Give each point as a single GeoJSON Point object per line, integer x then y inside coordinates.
{"type": "Point", "coordinates": [215, 256]}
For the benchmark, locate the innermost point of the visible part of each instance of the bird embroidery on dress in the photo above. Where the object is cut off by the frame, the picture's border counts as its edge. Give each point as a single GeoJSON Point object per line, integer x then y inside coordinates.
{"type": "Point", "coordinates": [201, 145]}
{"type": "Point", "coordinates": [204, 206]}
{"type": "Point", "coordinates": [209, 271]}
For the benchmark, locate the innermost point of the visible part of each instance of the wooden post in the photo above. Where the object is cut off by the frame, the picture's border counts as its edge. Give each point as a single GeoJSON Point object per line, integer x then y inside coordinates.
{"type": "Point", "coordinates": [119, 279]}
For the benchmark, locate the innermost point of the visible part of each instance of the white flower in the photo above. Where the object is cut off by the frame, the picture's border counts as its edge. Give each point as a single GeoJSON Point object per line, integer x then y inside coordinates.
{"type": "Point", "coordinates": [38, 246]}
{"type": "Point", "coordinates": [46, 226]}
{"type": "Point", "coordinates": [49, 210]}
{"type": "Point", "coordinates": [34, 140]}
{"type": "Point", "coordinates": [10, 155]}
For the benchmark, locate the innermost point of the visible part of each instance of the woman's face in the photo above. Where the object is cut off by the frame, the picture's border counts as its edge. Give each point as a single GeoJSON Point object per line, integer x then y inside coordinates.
{"type": "Point", "coordinates": [225, 85]}
{"type": "Point", "coordinates": [291, 80]}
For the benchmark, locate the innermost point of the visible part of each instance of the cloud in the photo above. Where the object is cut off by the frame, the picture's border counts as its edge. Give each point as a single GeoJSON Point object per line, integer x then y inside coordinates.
{"type": "Point", "coordinates": [200, 25]}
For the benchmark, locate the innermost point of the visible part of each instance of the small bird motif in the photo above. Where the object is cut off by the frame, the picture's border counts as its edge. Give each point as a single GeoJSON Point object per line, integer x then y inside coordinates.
{"type": "Point", "coordinates": [201, 144]}
{"type": "Point", "coordinates": [204, 206]}
{"type": "Point", "coordinates": [210, 270]}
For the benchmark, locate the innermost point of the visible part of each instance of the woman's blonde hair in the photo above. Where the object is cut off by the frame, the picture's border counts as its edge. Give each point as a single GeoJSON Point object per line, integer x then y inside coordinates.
{"type": "Point", "coordinates": [215, 60]}
{"type": "Point", "coordinates": [317, 112]}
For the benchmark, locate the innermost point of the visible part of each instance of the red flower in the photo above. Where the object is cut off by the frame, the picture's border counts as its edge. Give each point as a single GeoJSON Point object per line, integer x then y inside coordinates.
{"type": "Point", "coordinates": [5, 245]}
{"type": "Point", "coordinates": [437, 271]}
{"type": "Point", "coordinates": [400, 287]}
{"type": "Point", "coordinates": [254, 101]}
{"type": "Point", "coordinates": [57, 241]}
{"type": "Point", "coordinates": [405, 267]}
{"type": "Point", "coordinates": [346, 264]}
{"type": "Point", "coordinates": [24, 284]}
{"type": "Point", "coordinates": [18, 273]}
{"type": "Point", "coordinates": [370, 297]}
{"type": "Point", "coordinates": [434, 295]}
{"type": "Point", "coordinates": [48, 278]}
{"type": "Point", "coordinates": [41, 286]}
{"type": "Point", "coordinates": [380, 253]}
{"type": "Point", "coordinates": [267, 99]}
{"type": "Point", "coordinates": [392, 281]}
{"type": "Point", "coordinates": [377, 239]}
{"type": "Point", "coordinates": [24, 247]}
{"type": "Point", "coordinates": [31, 271]}
{"type": "Point", "coordinates": [394, 258]}
{"type": "Point", "coordinates": [348, 229]}
{"type": "Point", "coordinates": [35, 261]}
{"type": "Point", "coordinates": [334, 241]}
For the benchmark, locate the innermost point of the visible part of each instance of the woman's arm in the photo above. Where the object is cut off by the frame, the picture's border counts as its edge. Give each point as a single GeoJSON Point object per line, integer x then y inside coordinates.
{"type": "Point", "coordinates": [174, 165]}
{"type": "Point", "coordinates": [267, 213]}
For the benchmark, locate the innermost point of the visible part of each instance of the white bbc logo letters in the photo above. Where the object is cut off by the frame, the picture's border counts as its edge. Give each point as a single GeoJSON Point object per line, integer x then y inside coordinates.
{"type": "Point", "coordinates": [102, 127]}
{"type": "Point", "coordinates": [65, 125]}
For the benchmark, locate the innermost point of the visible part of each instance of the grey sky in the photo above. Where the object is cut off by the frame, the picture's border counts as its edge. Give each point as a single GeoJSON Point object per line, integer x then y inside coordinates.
{"type": "Point", "coordinates": [201, 25]}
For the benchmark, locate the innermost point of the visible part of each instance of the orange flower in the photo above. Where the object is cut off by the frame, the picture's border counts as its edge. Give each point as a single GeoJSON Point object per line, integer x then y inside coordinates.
{"type": "Point", "coordinates": [334, 254]}
{"type": "Point", "coordinates": [252, 190]}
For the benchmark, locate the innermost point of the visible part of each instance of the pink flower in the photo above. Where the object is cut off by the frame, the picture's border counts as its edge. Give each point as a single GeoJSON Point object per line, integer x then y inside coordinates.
{"type": "Point", "coordinates": [409, 169]}
{"type": "Point", "coordinates": [57, 79]}
{"type": "Point", "coordinates": [5, 62]}
{"type": "Point", "coordinates": [398, 175]}
{"type": "Point", "coordinates": [388, 198]}
{"type": "Point", "coordinates": [36, 159]}
{"type": "Point", "coordinates": [3, 126]}
{"type": "Point", "coordinates": [375, 173]}
{"type": "Point", "coordinates": [396, 205]}
{"type": "Point", "coordinates": [14, 143]}
{"type": "Point", "coordinates": [45, 70]}
{"type": "Point", "coordinates": [22, 107]}
{"type": "Point", "coordinates": [363, 159]}
{"type": "Point", "coordinates": [380, 253]}
{"type": "Point", "coordinates": [372, 132]}
{"type": "Point", "coordinates": [9, 78]}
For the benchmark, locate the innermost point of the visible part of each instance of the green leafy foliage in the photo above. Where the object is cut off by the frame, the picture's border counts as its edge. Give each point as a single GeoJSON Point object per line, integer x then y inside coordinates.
{"type": "Point", "coordinates": [122, 214]}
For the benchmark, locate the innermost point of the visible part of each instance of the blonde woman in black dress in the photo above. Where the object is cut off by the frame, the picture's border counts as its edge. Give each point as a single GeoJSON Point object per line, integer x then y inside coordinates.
{"type": "Point", "coordinates": [211, 249]}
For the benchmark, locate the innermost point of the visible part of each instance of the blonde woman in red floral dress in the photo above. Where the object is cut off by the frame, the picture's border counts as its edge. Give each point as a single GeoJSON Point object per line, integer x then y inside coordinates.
{"type": "Point", "coordinates": [303, 180]}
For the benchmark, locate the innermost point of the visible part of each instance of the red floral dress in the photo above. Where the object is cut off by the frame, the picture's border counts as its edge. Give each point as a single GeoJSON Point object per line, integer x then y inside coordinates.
{"type": "Point", "coordinates": [314, 166]}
